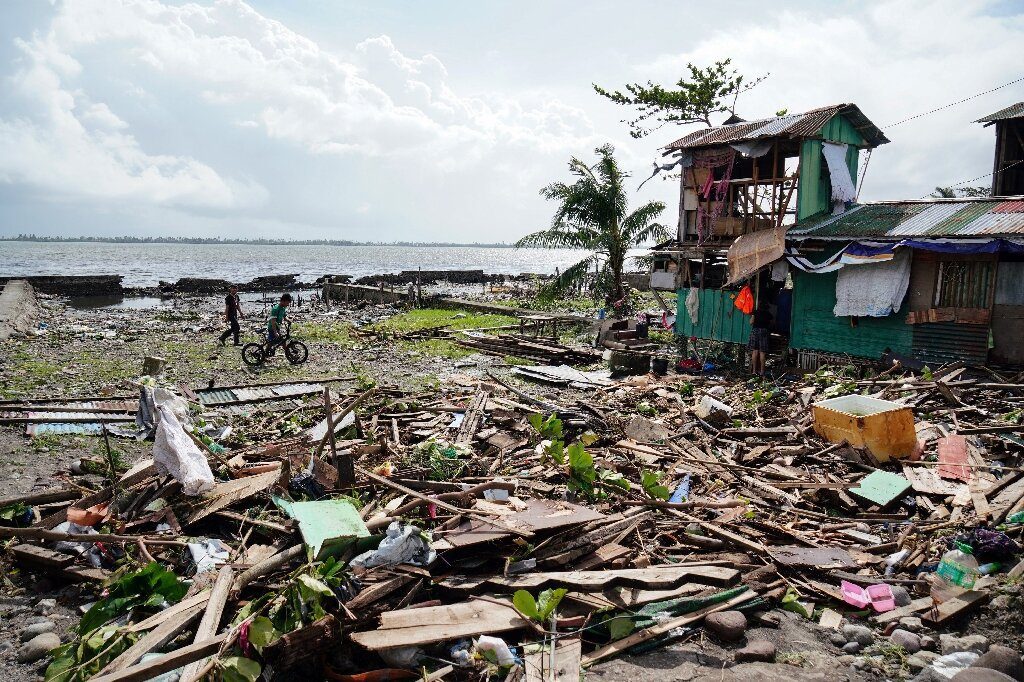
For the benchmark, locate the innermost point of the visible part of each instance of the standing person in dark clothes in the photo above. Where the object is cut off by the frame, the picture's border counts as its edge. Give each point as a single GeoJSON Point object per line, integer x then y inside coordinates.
{"type": "Point", "coordinates": [232, 311]}
{"type": "Point", "coordinates": [759, 337]}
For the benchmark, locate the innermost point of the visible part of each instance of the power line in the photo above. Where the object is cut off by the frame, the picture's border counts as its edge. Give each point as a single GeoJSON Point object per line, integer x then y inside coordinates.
{"type": "Point", "coordinates": [953, 104]}
{"type": "Point", "coordinates": [986, 175]}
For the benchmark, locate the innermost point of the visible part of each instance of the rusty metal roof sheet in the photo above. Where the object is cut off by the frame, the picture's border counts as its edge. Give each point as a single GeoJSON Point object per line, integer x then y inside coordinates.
{"type": "Point", "coordinates": [807, 124]}
{"type": "Point", "coordinates": [1012, 111]}
{"type": "Point", "coordinates": [929, 218]}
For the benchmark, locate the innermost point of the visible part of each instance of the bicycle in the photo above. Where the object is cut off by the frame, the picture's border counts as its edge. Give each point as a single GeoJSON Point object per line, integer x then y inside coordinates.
{"type": "Point", "coordinates": [255, 354]}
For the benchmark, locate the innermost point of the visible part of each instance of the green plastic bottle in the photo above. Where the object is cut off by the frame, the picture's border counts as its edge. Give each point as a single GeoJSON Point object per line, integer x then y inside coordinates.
{"type": "Point", "coordinates": [1016, 518]}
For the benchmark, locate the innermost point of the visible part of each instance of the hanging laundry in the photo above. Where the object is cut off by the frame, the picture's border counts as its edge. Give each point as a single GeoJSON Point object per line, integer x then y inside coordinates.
{"type": "Point", "coordinates": [874, 290]}
{"type": "Point", "coordinates": [693, 304]}
{"type": "Point", "coordinates": [843, 190]}
{"type": "Point", "coordinates": [745, 300]}
{"type": "Point", "coordinates": [705, 191]}
{"type": "Point", "coordinates": [780, 269]}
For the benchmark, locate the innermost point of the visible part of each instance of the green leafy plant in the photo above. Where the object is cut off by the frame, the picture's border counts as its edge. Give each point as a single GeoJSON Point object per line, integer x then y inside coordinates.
{"type": "Point", "coordinates": [152, 587]}
{"type": "Point", "coordinates": [81, 659]}
{"type": "Point", "coordinates": [239, 669]}
{"type": "Point", "coordinates": [582, 472]}
{"type": "Point", "coordinates": [541, 608]}
{"type": "Point", "coordinates": [651, 483]}
{"type": "Point", "coordinates": [10, 512]}
{"type": "Point", "coordinates": [549, 428]}
{"type": "Point", "coordinates": [302, 601]}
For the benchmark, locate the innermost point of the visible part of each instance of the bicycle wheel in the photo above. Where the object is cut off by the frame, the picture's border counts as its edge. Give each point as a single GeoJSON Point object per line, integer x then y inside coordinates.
{"type": "Point", "coordinates": [252, 354]}
{"type": "Point", "coordinates": [296, 352]}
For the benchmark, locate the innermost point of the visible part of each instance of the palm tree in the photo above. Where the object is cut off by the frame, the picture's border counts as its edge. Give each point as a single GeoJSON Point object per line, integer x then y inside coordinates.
{"type": "Point", "coordinates": [591, 215]}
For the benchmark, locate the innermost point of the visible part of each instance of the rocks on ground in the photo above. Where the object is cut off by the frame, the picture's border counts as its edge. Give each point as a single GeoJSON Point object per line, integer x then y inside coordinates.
{"type": "Point", "coordinates": [38, 646]}
{"type": "Point", "coordinates": [729, 626]}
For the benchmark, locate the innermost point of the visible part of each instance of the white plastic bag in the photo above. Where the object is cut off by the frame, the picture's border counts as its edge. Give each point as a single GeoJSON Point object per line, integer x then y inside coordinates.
{"type": "Point", "coordinates": [404, 544]}
{"type": "Point", "coordinates": [174, 453]}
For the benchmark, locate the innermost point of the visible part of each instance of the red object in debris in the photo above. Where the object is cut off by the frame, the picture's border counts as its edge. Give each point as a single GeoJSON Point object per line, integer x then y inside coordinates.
{"type": "Point", "coordinates": [952, 457]}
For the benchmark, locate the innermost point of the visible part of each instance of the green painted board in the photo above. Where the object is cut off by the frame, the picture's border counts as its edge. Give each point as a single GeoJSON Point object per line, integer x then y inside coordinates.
{"type": "Point", "coordinates": [328, 527]}
{"type": "Point", "coordinates": [717, 318]}
{"type": "Point", "coordinates": [815, 327]}
{"type": "Point", "coordinates": [881, 487]}
{"type": "Point", "coordinates": [815, 188]}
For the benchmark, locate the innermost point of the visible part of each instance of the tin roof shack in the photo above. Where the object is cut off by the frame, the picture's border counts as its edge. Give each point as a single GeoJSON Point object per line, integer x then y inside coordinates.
{"type": "Point", "coordinates": [1008, 164]}
{"type": "Point", "coordinates": [741, 185]}
{"type": "Point", "coordinates": [938, 280]}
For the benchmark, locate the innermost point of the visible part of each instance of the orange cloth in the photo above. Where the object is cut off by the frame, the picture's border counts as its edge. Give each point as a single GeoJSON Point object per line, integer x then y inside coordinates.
{"type": "Point", "coordinates": [745, 300]}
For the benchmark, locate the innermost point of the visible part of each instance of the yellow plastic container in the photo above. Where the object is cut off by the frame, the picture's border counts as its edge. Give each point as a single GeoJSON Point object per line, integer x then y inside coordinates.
{"type": "Point", "coordinates": [885, 428]}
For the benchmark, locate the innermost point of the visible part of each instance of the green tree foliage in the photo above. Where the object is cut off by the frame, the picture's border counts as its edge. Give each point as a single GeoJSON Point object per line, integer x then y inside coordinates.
{"type": "Point", "coordinates": [961, 192]}
{"type": "Point", "coordinates": [707, 91]}
{"type": "Point", "coordinates": [592, 216]}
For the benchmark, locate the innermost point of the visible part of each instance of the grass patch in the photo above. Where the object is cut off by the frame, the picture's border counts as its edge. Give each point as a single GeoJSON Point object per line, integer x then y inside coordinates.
{"type": "Point", "coordinates": [426, 318]}
{"type": "Point", "coordinates": [439, 348]}
{"type": "Point", "coordinates": [23, 373]}
{"type": "Point", "coordinates": [339, 333]}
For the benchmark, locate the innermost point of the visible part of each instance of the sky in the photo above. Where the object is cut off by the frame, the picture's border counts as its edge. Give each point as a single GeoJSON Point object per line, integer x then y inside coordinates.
{"type": "Point", "coordinates": [382, 120]}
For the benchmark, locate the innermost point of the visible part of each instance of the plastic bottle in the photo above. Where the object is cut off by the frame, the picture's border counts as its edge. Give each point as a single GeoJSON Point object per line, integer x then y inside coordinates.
{"type": "Point", "coordinates": [958, 569]}
{"type": "Point", "coordinates": [1016, 518]}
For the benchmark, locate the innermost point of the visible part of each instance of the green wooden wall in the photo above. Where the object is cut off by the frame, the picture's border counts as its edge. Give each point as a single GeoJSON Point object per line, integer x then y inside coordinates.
{"type": "Point", "coordinates": [815, 189]}
{"type": "Point", "coordinates": [814, 327]}
{"type": "Point", "coordinates": [717, 318]}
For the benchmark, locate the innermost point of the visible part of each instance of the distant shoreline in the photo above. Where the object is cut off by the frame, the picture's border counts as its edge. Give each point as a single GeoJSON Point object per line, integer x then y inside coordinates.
{"type": "Point", "coordinates": [246, 242]}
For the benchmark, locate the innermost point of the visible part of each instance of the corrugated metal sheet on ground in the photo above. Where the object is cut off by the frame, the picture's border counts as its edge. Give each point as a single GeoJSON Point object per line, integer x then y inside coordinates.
{"type": "Point", "coordinates": [794, 125]}
{"type": "Point", "coordinates": [297, 389]}
{"type": "Point", "coordinates": [902, 219]}
{"type": "Point", "coordinates": [216, 395]}
{"type": "Point", "coordinates": [82, 416]}
{"type": "Point", "coordinates": [61, 429]}
{"type": "Point", "coordinates": [939, 342]}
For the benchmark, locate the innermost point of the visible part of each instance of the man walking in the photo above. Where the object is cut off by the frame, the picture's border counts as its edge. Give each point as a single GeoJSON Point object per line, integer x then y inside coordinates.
{"type": "Point", "coordinates": [232, 311]}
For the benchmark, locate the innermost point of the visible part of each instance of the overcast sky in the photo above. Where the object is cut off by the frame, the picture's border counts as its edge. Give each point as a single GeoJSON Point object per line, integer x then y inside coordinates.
{"type": "Point", "coordinates": [439, 121]}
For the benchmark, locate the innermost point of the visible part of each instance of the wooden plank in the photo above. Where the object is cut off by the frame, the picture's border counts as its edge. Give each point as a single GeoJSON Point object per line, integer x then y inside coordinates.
{"type": "Point", "coordinates": [41, 556]}
{"type": "Point", "coordinates": [968, 601]}
{"type": "Point", "coordinates": [916, 606]}
{"type": "Point", "coordinates": [156, 638]}
{"type": "Point", "coordinates": [439, 623]}
{"type": "Point", "coordinates": [210, 622]}
{"type": "Point", "coordinates": [654, 577]}
{"type": "Point", "coordinates": [567, 663]}
{"type": "Point", "coordinates": [166, 663]}
{"type": "Point", "coordinates": [226, 494]}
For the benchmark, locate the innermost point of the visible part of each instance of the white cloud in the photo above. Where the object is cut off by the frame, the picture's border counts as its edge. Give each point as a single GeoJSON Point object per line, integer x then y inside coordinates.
{"type": "Point", "coordinates": [376, 102]}
{"type": "Point", "coordinates": [896, 59]}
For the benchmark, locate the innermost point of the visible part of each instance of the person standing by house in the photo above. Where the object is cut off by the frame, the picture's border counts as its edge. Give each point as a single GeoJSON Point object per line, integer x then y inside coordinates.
{"type": "Point", "coordinates": [760, 335]}
{"type": "Point", "coordinates": [232, 311]}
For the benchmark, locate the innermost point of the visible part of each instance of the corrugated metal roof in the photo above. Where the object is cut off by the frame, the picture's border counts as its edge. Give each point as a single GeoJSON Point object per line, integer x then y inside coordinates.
{"type": "Point", "coordinates": [1012, 111]}
{"type": "Point", "coordinates": [806, 124]}
{"type": "Point", "coordinates": [936, 218]}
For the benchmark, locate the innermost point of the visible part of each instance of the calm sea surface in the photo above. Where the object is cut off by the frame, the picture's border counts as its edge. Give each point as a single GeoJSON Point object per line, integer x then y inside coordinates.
{"type": "Point", "coordinates": [146, 264]}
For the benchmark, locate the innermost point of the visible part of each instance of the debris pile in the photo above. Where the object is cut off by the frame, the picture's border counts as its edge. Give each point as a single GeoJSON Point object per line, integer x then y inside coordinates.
{"type": "Point", "coordinates": [477, 530]}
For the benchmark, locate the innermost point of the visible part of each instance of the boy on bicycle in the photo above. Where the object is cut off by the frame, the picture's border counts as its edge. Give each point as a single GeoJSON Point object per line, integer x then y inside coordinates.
{"type": "Point", "coordinates": [278, 314]}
